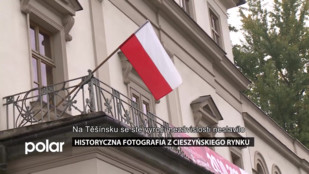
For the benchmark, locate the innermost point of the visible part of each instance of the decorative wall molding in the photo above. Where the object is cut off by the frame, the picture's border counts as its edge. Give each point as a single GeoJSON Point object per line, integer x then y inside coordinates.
{"type": "Point", "coordinates": [68, 23]}
{"type": "Point", "coordinates": [259, 160]}
{"type": "Point", "coordinates": [63, 9]}
{"type": "Point", "coordinates": [275, 169]}
{"type": "Point", "coordinates": [24, 6]}
{"type": "Point", "coordinates": [268, 137]}
{"type": "Point", "coordinates": [205, 111]}
{"type": "Point", "coordinates": [126, 68]}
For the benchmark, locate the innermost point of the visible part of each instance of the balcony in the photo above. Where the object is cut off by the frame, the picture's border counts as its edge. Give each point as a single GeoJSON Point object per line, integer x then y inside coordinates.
{"type": "Point", "coordinates": [78, 96]}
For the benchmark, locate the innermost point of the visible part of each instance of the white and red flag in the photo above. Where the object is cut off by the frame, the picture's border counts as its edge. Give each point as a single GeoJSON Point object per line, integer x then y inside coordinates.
{"type": "Point", "coordinates": [148, 57]}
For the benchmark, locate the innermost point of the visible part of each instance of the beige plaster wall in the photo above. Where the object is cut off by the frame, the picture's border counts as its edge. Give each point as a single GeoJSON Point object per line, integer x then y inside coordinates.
{"type": "Point", "coordinates": [80, 52]}
{"type": "Point", "coordinates": [15, 59]}
{"type": "Point", "coordinates": [203, 19]}
{"type": "Point", "coordinates": [270, 155]}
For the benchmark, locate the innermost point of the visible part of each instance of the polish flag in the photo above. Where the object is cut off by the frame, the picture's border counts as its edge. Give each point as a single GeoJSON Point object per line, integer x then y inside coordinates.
{"type": "Point", "coordinates": [148, 57]}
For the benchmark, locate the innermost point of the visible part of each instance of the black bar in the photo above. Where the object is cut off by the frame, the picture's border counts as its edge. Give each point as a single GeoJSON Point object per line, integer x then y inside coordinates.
{"type": "Point", "coordinates": [154, 142]}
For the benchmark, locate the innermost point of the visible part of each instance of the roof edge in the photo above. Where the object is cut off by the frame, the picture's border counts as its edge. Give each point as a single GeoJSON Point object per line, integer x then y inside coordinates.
{"type": "Point", "coordinates": [241, 2]}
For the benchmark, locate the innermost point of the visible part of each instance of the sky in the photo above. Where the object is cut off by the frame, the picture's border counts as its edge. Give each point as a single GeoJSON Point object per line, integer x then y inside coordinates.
{"type": "Point", "coordinates": [234, 20]}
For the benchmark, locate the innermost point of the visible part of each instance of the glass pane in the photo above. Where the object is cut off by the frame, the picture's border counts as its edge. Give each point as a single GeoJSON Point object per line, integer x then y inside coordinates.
{"type": "Point", "coordinates": [145, 107]}
{"type": "Point", "coordinates": [213, 22]}
{"type": "Point", "coordinates": [46, 75]}
{"type": "Point", "coordinates": [44, 45]}
{"type": "Point", "coordinates": [214, 35]}
{"type": "Point", "coordinates": [216, 26]}
{"type": "Point", "coordinates": [35, 76]}
{"type": "Point", "coordinates": [186, 6]}
{"type": "Point", "coordinates": [49, 74]}
{"type": "Point", "coordinates": [32, 38]}
{"type": "Point", "coordinates": [134, 99]}
{"type": "Point", "coordinates": [35, 72]}
{"type": "Point", "coordinates": [43, 74]}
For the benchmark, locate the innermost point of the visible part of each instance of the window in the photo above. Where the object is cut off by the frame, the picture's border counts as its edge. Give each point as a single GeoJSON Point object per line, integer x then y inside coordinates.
{"type": "Point", "coordinates": [259, 169]}
{"type": "Point", "coordinates": [144, 103]}
{"type": "Point", "coordinates": [42, 62]}
{"type": "Point", "coordinates": [138, 92]}
{"type": "Point", "coordinates": [141, 97]}
{"type": "Point", "coordinates": [260, 164]}
{"type": "Point", "coordinates": [49, 24]}
{"type": "Point", "coordinates": [275, 169]}
{"type": "Point", "coordinates": [236, 156]}
{"type": "Point", "coordinates": [215, 27]}
{"type": "Point", "coordinates": [206, 113]}
{"type": "Point", "coordinates": [185, 4]}
{"type": "Point", "coordinates": [236, 160]}
{"type": "Point", "coordinates": [48, 32]}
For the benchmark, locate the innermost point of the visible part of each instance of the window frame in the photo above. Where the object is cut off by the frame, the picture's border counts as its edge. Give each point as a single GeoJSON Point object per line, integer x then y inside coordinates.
{"type": "Point", "coordinates": [215, 27]}
{"type": "Point", "coordinates": [259, 161]}
{"type": "Point", "coordinates": [41, 59]}
{"type": "Point", "coordinates": [238, 153]}
{"type": "Point", "coordinates": [58, 25]}
{"type": "Point", "coordinates": [143, 96]}
{"type": "Point", "coordinates": [135, 86]}
{"type": "Point", "coordinates": [275, 169]}
{"type": "Point", "coordinates": [142, 118]}
{"type": "Point", "coordinates": [37, 30]}
{"type": "Point", "coordinates": [132, 80]}
{"type": "Point", "coordinates": [186, 6]}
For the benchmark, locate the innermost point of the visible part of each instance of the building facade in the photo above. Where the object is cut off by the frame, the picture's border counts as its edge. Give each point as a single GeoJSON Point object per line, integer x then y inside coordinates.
{"type": "Point", "coordinates": [48, 46]}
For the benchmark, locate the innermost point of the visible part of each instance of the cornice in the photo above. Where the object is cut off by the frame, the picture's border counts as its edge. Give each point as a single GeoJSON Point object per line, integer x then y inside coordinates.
{"type": "Point", "coordinates": [190, 28]}
{"type": "Point", "coordinates": [268, 119]}
{"type": "Point", "coordinates": [65, 9]}
{"type": "Point", "coordinates": [272, 140]}
{"type": "Point", "coordinates": [234, 72]}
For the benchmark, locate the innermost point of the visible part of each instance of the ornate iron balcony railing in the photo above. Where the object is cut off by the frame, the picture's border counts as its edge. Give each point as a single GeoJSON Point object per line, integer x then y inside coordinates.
{"type": "Point", "coordinates": [91, 95]}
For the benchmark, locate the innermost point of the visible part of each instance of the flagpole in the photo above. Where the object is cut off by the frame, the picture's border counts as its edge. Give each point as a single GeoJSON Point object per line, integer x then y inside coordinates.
{"type": "Point", "coordinates": [101, 64]}
{"type": "Point", "coordinates": [108, 57]}
{"type": "Point", "coordinates": [91, 73]}
{"type": "Point", "coordinates": [105, 60]}
{"type": "Point", "coordinates": [142, 26]}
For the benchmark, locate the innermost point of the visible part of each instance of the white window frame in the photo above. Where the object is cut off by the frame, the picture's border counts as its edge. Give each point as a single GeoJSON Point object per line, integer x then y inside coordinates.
{"type": "Point", "coordinates": [45, 14]}
{"type": "Point", "coordinates": [235, 151]}
{"type": "Point", "coordinates": [47, 60]}
{"type": "Point", "coordinates": [216, 34]}
{"type": "Point", "coordinates": [134, 83]}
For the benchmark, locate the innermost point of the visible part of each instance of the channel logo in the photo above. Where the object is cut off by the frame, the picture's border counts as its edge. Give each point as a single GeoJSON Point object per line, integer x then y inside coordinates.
{"type": "Point", "coordinates": [43, 147]}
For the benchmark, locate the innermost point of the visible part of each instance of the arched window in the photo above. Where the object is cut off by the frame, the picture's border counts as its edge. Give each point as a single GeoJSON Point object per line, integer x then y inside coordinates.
{"type": "Point", "coordinates": [275, 169]}
{"type": "Point", "coordinates": [260, 169]}
{"type": "Point", "coordinates": [260, 166]}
